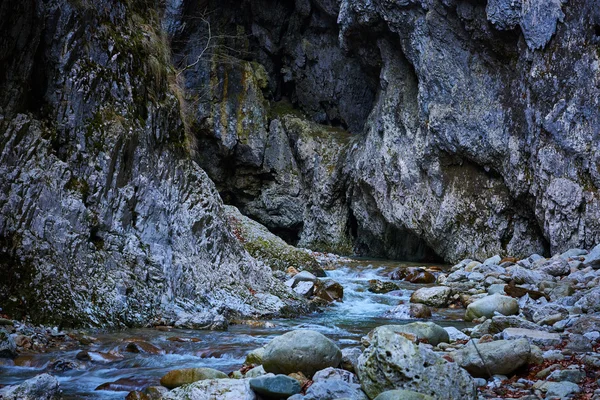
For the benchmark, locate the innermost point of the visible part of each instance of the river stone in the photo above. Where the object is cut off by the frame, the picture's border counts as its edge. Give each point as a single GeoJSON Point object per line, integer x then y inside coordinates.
{"type": "Point", "coordinates": [561, 390]}
{"type": "Point", "coordinates": [255, 372]}
{"type": "Point", "coordinates": [489, 305]}
{"type": "Point", "coordinates": [436, 296]}
{"type": "Point", "coordinates": [502, 357]}
{"type": "Point", "coordinates": [539, 338]}
{"type": "Point", "coordinates": [593, 258]}
{"type": "Point", "coordinates": [402, 395]}
{"type": "Point", "coordinates": [301, 350]}
{"type": "Point", "coordinates": [377, 286]}
{"type": "Point", "coordinates": [255, 357]}
{"type": "Point", "coordinates": [549, 314]}
{"type": "Point", "coordinates": [304, 288]}
{"type": "Point", "coordinates": [497, 288]}
{"type": "Point", "coordinates": [556, 267]}
{"type": "Point", "coordinates": [408, 311]}
{"type": "Point", "coordinates": [184, 376]}
{"type": "Point", "coordinates": [275, 387]}
{"type": "Point", "coordinates": [454, 334]}
{"type": "Point", "coordinates": [8, 348]}
{"type": "Point", "coordinates": [213, 389]}
{"type": "Point", "coordinates": [41, 387]}
{"type": "Point", "coordinates": [394, 362]}
{"type": "Point", "coordinates": [419, 275]}
{"type": "Point", "coordinates": [423, 331]}
{"type": "Point", "coordinates": [333, 383]}
{"type": "Point", "coordinates": [350, 358]}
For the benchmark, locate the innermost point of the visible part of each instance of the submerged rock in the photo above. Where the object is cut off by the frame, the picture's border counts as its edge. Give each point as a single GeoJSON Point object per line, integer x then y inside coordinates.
{"type": "Point", "coordinates": [180, 377]}
{"type": "Point", "coordinates": [393, 362]}
{"type": "Point", "coordinates": [300, 350]}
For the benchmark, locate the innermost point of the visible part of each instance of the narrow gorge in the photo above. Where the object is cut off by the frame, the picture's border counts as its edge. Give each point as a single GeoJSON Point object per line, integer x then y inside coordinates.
{"type": "Point", "coordinates": [205, 165]}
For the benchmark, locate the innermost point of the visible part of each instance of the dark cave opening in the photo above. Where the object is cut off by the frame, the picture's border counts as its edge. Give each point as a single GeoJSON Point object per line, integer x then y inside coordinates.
{"type": "Point", "coordinates": [290, 235]}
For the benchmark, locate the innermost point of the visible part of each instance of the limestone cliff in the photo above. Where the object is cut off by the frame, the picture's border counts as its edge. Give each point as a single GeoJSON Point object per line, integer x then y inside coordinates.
{"type": "Point", "coordinates": [471, 127]}
{"type": "Point", "coordinates": [104, 219]}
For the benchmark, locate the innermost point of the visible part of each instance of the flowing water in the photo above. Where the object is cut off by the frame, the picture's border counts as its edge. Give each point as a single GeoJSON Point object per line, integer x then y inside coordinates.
{"type": "Point", "coordinates": [343, 322]}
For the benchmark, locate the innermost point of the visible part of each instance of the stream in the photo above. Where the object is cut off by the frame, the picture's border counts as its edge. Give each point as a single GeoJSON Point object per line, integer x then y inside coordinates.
{"type": "Point", "coordinates": [345, 323]}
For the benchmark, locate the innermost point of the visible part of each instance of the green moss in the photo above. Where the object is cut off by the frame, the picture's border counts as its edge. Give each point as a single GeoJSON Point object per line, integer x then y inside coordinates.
{"type": "Point", "coordinates": [78, 185]}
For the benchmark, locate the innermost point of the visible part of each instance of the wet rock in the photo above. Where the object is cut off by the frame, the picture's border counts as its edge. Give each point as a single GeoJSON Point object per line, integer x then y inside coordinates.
{"type": "Point", "coordinates": [489, 305]}
{"type": "Point", "coordinates": [500, 357]}
{"type": "Point", "coordinates": [393, 362]}
{"type": "Point", "coordinates": [304, 288]}
{"type": "Point", "coordinates": [137, 395]}
{"type": "Point", "coordinates": [350, 358]}
{"type": "Point", "coordinates": [255, 357]}
{"type": "Point", "coordinates": [143, 347]}
{"type": "Point", "coordinates": [275, 387]}
{"type": "Point", "coordinates": [222, 389]}
{"type": "Point", "coordinates": [98, 357]}
{"type": "Point", "coordinates": [539, 338]}
{"type": "Point", "coordinates": [402, 395]}
{"type": "Point", "coordinates": [8, 347]}
{"type": "Point", "coordinates": [329, 290]}
{"type": "Point", "coordinates": [377, 286]}
{"type": "Point", "coordinates": [127, 384]}
{"type": "Point", "coordinates": [181, 339]}
{"type": "Point", "coordinates": [300, 350]}
{"type": "Point", "coordinates": [408, 311]}
{"type": "Point", "coordinates": [179, 377]}
{"type": "Point", "coordinates": [41, 387]}
{"type": "Point", "coordinates": [201, 321]}
{"type": "Point", "coordinates": [419, 275]}
{"type": "Point", "coordinates": [63, 365]}
{"type": "Point", "coordinates": [437, 296]}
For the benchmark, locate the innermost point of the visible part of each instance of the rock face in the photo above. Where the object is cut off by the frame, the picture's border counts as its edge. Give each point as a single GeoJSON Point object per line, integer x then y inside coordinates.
{"type": "Point", "coordinates": [461, 145]}
{"type": "Point", "coordinates": [393, 362]}
{"type": "Point", "coordinates": [300, 350]}
{"type": "Point", "coordinates": [103, 214]}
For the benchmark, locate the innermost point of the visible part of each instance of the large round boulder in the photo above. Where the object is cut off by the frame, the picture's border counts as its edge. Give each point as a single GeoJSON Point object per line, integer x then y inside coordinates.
{"type": "Point", "coordinates": [420, 331]}
{"type": "Point", "coordinates": [499, 357]}
{"type": "Point", "coordinates": [300, 350]}
{"type": "Point", "coordinates": [489, 305]}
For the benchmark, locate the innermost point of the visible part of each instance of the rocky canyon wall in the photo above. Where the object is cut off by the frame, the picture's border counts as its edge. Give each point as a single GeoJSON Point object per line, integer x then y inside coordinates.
{"type": "Point", "coordinates": [406, 129]}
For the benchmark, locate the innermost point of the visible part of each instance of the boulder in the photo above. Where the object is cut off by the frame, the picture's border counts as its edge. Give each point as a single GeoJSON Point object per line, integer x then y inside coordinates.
{"type": "Point", "coordinates": [329, 290]}
{"type": "Point", "coordinates": [419, 275]}
{"type": "Point", "coordinates": [332, 383]}
{"type": "Point", "coordinates": [255, 357]}
{"type": "Point", "coordinates": [213, 389]}
{"type": "Point", "coordinates": [179, 377]}
{"type": "Point", "coordinates": [408, 311]}
{"type": "Point", "coordinates": [8, 347]}
{"type": "Point", "coordinates": [489, 305]}
{"type": "Point", "coordinates": [539, 338]}
{"type": "Point", "coordinates": [300, 350]}
{"type": "Point", "coordinates": [561, 390]}
{"type": "Point", "coordinates": [275, 386]}
{"type": "Point", "coordinates": [422, 331]}
{"type": "Point", "coordinates": [394, 362]}
{"type": "Point", "coordinates": [255, 372]}
{"type": "Point", "coordinates": [549, 314]}
{"type": "Point", "coordinates": [377, 286]}
{"type": "Point", "coordinates": [436, 296]}
{"type": "Point", "coordinates": [304, 288]}
{"type": "Point", "coordinates": [593, 258]}
{"type": "Point", "coordinates": [555, 267]}
{"type": "Point", "coordinates": [350, 358]}
{"type": "Point", "coordinates": [402, 395]}
{"type": "Point", "coordinates": [454, 334]}
{"type": "Point", "coordinates": [41, 387]}
{"type": "Point", "coordinates": [501, 357]}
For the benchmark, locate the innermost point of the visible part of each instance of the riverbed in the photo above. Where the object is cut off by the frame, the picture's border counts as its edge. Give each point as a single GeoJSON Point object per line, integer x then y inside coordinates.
{"type": "Point", "coordinates": [344, 322]}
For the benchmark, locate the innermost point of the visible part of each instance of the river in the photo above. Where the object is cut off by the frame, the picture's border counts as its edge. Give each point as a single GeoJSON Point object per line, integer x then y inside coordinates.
{"type": "Point", "coordinates": [343, 322]}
